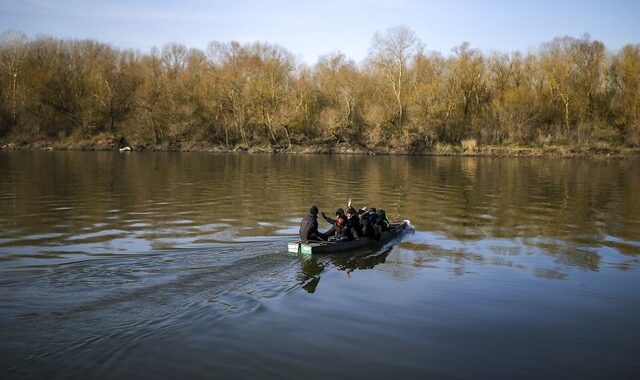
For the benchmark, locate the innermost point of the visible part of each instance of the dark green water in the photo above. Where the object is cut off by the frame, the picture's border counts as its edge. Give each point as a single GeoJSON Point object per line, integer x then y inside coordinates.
{"type": "Point", "coordinates": [169, 265]}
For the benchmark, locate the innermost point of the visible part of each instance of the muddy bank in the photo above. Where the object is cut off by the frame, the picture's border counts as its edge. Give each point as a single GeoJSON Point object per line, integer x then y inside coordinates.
{"type": "Point", "coordinates": [437, 150]}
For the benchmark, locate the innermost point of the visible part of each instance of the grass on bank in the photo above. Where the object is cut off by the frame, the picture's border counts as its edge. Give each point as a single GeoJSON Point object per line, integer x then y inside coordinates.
{"type": "Point", "coordinates": [469, 147]}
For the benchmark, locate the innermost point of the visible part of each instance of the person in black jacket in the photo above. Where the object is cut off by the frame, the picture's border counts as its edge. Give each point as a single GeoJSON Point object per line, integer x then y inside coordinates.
{"type": "Point", "coordinates": [309, 227]}
{"type": "Point", "coordinates": [353, 222]}
{"type": "Point", "coordinates": [370, 224]}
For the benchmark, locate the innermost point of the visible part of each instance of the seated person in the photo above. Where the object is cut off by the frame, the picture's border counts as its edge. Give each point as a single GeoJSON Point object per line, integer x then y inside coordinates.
{"type": "Point", "coordinates": [353, 221]}
{"type": "Point", "coordinates": [339, 225]}
{"type": "Point", "coordinates": [309, 227]}
{"type": "Point", "coordinates": [374, 229]}
{"type": "Point", "coordinates": [383, 220]}
{"type": "Point", "coordinates": [374, 222]}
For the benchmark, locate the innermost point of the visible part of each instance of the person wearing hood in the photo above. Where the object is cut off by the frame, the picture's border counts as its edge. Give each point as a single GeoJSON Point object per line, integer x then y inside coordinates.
{"type": "Point", "coordinates": [370, 226]}
{"type": "Point", "coordinates": [339, 225]}
{"type": "Point", "coordinates": [309, 227]}
{"type": "Point", "coordinates": [353, 221]}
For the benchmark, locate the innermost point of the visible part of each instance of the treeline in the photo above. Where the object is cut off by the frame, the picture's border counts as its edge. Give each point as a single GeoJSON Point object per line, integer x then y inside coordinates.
{"type": "Point", "coordinates": [569, 91]}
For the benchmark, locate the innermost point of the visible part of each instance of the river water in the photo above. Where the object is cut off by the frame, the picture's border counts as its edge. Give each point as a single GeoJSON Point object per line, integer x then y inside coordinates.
{"type": "Point", "coordinates": [174, 265]}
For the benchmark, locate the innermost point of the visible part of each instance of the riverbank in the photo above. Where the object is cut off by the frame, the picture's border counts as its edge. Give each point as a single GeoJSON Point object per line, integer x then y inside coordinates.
{"type": "Point", "coordinates": [593, 150]}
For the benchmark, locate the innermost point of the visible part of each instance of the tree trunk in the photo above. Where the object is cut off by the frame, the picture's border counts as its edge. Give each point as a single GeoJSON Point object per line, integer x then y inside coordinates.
{"type": "Point", "coordinates": [399, 94]}
{"type": "Point", "coordinates": [270, 128]}
{"type": "Point", "coordinates": [566, 113]}
{"type": "Point", "coordinates": [399, 109]}
{"type": "Point", "coordinates": [273, 136]}
{"type": "Point", "coordinates": [15, 102]}
{"type": "Point", "coordinates": [111, 117]}
{"type": "Point", "coordinates": [286, 132]}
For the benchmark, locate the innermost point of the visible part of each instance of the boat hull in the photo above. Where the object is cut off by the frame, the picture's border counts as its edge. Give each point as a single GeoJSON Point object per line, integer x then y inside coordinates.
{"type": "Point", "coordinates": [311, 248]}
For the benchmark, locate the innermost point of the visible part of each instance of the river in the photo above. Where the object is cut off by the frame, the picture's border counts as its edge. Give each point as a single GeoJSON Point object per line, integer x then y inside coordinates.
{"type": "Point", "coordinates": [175, 265]}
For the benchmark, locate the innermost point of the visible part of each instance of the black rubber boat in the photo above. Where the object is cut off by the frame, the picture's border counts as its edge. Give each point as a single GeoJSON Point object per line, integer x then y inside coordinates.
{"type": "Point", "coordinates": [395, 230]}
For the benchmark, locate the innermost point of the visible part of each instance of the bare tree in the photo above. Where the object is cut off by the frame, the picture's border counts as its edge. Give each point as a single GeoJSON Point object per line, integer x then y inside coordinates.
{"type": "Point", "coordinates": [338, 81]}
{"type": "Point", "coordinates": [390, 54]}
{"type": "Point", "coordinates": [247, 94]}
{"type": "Point", "coordinates": [271, 66]}
{"type": "Point", "coordinates": [174, 58]}
{"type": "Point", "coordinates": [13, 46]}
{"type": "Point", "coordinates": [625, 73]}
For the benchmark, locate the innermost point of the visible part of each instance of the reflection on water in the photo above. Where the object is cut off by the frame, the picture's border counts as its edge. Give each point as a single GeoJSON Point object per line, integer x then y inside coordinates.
{"type": "Point", "coordinates": [313, 266]}
{"type": "Point", "coordinates": [60, 205]}
{"type": "Point", "coordinates": [175, 264]}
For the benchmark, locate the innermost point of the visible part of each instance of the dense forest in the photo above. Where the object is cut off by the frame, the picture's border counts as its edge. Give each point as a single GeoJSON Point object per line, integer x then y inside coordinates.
{"type": "Point", "coordinates": [402, 97]}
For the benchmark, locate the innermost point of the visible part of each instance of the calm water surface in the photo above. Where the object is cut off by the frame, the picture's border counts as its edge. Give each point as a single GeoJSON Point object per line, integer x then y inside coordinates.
{"type": "Point", "coordinates": [175, 266]}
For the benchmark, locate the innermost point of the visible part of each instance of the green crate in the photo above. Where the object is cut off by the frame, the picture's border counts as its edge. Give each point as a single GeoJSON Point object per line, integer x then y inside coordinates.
{"type": "Point", "coordinates": [306, 249]}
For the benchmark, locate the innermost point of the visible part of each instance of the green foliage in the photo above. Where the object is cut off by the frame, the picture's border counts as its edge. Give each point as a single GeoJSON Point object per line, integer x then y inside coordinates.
{"type": "Point", "coordinates": [571, 91]}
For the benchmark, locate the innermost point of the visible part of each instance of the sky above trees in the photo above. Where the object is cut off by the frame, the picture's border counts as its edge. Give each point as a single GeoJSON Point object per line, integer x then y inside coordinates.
{"type": "Point", "coordinates": [310, 29]}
